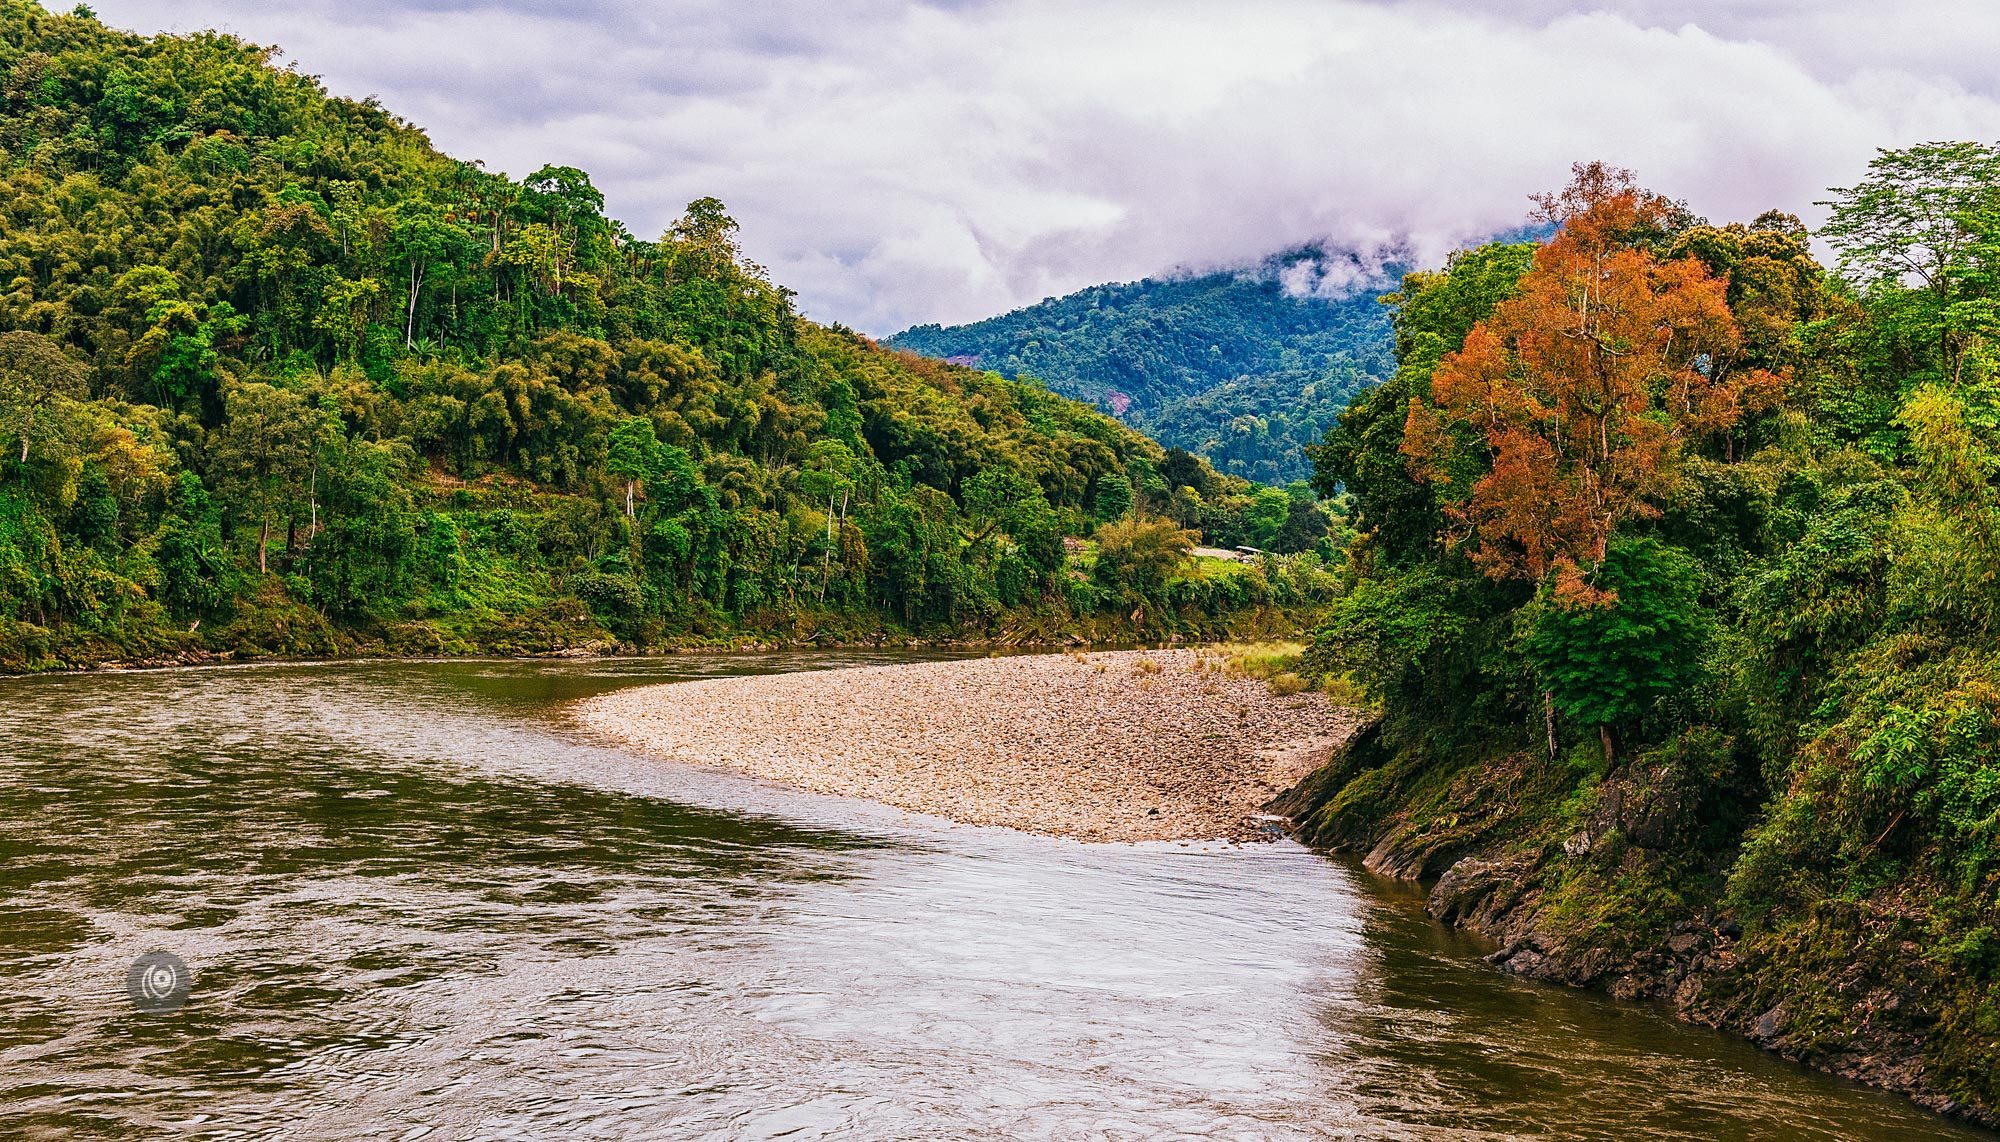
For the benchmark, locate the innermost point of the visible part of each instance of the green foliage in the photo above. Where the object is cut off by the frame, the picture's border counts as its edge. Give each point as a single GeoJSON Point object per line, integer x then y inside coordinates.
{"type": "Point", "coordinates": [1137, 557]}
{"type": "Point", "coordinates": [364, 554]}
{"type": "Point", "coordinates": [1793, 639]}
{"type": "Point", "coordinates": [195, 574]}
{"type": "Point", "coordinates": [1606, 663]}
{"type": "Point", "coordinates": [278, 377]}
{"type": "Point", "coordinates": [1391, 633]}
{"type": "Point", "coordinates": [1269, 509]}
{"type": "Point", "coordinates": [1914, 216]}
{"type": "Point", "coordinates": [1361, 455]}
{"type": "Point", "coordinates": [37, 381]}
{"type": "Point", "coordinates": [1435, 310]}
{"type": "Point", "coordinates": [1920, 234]}
{"type": "Point", "coordinates": [1236, 367]}
{"type": "Point", "coordinates": [1114, 498]}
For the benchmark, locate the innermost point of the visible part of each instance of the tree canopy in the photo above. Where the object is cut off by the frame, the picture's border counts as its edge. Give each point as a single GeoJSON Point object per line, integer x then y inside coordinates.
{"type": "Point", "coordinates": [1674, 577]}
{"type": "Point", "coordinates": [278, 376]}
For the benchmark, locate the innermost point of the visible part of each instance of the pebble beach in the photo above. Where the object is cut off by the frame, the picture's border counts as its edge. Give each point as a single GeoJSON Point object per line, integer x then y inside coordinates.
{"type": "Point", "coordinates": [1110, 746]}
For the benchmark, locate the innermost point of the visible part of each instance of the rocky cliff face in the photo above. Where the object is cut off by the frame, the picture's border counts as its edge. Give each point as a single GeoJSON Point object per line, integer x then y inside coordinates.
{"type": "Point", "coordinates": [1613, 883]}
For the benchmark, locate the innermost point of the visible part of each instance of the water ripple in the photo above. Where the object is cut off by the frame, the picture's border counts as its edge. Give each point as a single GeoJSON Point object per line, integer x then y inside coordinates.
{"type": "Point", "coordinates": [417, 903]}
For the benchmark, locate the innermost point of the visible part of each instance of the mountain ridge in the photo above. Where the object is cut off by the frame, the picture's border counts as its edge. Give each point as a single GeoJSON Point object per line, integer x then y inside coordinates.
{"type": "Point", "coordinates": [1244, 366]}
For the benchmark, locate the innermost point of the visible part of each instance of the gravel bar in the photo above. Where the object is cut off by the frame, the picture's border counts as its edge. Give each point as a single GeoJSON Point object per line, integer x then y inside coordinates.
{"type": "Point", "coordinates": [1111, 746]}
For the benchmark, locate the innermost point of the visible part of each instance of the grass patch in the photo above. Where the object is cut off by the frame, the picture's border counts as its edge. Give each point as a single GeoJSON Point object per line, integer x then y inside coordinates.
{"type": "Point", "coordinates": [1276, 664]}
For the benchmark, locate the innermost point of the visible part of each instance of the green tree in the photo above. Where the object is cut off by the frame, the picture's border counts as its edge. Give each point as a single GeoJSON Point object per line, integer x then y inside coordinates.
{"type": "Point", "coordinates": [421, 239]}
{"type": "Point", "coordinates": [1604, 664]}
{"type": "Point", "coordinates": [633, 455]}
{"type": "Point", "coordinates": [1434, 310]}
{"type": "Point", "coordinates": [1266, 515]}
{"type": "Point", "coordinates": [37, 379]}
{"type": "Point", "coordinates": [1402, 633]}
{"type": "Point", "coordinates": [1114, 498]}
{"type": "Point", "coordinates": [264, 453]}
{"type": "Point", "coordinates": [182, 346]}
{"type": "Point", "coordinates": [189, 554]}
{"type": "Point", "coordinates": [1918, 218]}
{"type": "Point", "coordinates": [1139, 556]}
{"type": "Point", "coordinates": [829, 473]}
{"type": "Point", "coordinates": [1307, 524]}
{"type": "Point", "coordinates": [361, 560]}
{"type": "Point", "coordinates": [1911, 217]}
{"type": "Point", "coordinates": [707, 236]}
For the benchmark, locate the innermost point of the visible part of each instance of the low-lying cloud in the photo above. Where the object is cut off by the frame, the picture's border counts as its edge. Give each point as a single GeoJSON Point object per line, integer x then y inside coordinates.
{"type": "Point", "coordinates": [1333, 273]}
{"type": "Point", "coordinates": [898, 162]}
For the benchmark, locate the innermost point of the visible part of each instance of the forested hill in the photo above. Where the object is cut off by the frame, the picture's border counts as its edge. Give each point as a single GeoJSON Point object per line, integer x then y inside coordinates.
{"type": "Point", "coordinates": [1234, 366]}
{"type": "Point", "coordinates": [276, 376]}
{"type": "Point", "coordinates": [1680, 606]}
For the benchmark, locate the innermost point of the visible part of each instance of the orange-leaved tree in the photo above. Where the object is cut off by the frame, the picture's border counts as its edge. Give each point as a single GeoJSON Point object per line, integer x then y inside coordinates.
{"type": "Point", "coordinates": [1565, 411]}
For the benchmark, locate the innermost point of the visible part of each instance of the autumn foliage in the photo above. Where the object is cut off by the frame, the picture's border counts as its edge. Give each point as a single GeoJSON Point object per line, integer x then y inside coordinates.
{"type": "Point", "coordinates": [1564, 413]}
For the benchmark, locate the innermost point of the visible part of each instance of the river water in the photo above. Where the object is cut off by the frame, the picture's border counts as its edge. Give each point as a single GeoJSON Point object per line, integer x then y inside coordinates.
{"type": "Point", "coordinates": [416, 903]}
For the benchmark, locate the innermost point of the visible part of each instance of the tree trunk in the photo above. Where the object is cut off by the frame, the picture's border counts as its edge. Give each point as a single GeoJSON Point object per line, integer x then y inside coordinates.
{"type": "Point", "coordinates": [629, 485]}
{"type": "Point", "coordinates": [263, 547]}
{"type": "Point", "coordinates": [1549, 719]}
{"type": "Point", "coordinates": [416, 285]}
{"type": "Point", "coordinates": [1604, 735]}
{"type": "Point", "coordinates": [826, 563]}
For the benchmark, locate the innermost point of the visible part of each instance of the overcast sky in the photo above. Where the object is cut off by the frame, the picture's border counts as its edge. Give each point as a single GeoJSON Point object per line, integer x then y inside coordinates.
{"type": "Point", "coordinates": [897, 162]}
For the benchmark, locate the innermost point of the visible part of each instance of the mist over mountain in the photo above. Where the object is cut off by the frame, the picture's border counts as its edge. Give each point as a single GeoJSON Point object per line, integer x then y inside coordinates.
{"type": "Point", "coordinates": [1244, 366]}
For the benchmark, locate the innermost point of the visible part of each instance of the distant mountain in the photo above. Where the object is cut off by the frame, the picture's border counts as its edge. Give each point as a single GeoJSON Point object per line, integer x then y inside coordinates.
{"type": "Point", "coordinates": [1244, 367]}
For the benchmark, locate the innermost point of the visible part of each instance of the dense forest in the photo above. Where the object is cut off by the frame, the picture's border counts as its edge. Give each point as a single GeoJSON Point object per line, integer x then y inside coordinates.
{"type": "Point", "coordinates": [1675, 580]}
{"type": "Point", "coordinates": [278, 377]}
{"type": "Point", "coordinates": [1243, 368]}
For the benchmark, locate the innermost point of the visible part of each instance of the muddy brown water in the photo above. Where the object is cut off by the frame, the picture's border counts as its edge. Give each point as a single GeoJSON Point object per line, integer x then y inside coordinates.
{"type": "Point", "coordinates": [417, 904]}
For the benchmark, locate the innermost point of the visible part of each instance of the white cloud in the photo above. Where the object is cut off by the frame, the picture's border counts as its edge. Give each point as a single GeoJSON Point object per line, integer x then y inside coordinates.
{"type": "Point", "coordinates": [900, 162]}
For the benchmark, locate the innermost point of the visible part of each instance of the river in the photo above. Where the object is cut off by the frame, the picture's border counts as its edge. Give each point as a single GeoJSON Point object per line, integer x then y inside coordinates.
{"type": "Point", "coordinates": [416, 903]}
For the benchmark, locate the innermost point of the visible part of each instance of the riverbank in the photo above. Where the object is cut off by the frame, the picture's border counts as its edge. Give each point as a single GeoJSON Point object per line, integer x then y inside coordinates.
{"type": "Point", "coordinates": [1613, 886]}
{"type": "Point", "coordinates": [1107, 746]}
{"type": "Point", "coordinates": [291, 633]}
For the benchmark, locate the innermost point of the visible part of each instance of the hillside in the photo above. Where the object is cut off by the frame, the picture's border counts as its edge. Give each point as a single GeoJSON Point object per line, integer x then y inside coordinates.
{"type": "Point", "coordinates": [1241, 367]}
{"type": "Point", "coordinates": [1680, 610]}
{"type": "Point", "coordinates": [278, 377]}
